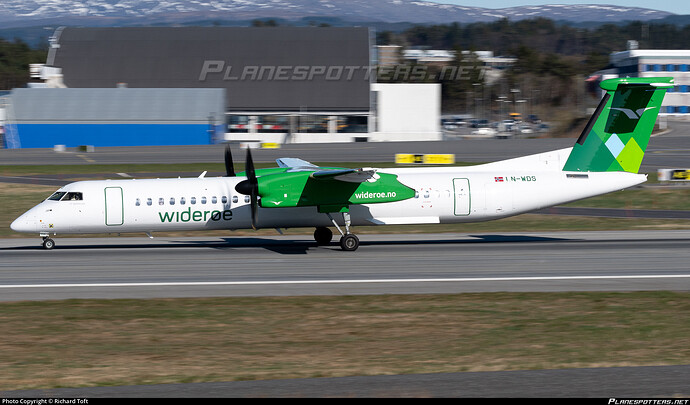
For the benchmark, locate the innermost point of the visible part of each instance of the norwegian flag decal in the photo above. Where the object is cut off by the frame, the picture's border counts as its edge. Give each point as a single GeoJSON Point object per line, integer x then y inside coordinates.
{"type": "Point", "coordinates": [498, 179]}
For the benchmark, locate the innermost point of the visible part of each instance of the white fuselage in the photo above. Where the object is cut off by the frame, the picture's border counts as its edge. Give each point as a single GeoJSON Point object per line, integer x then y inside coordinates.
{"type": "Point", "coordinates": [443, 195]}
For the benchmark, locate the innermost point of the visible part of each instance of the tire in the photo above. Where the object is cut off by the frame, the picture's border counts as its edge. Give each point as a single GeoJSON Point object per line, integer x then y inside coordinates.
{"type": "Point", "coordinates": [349, 243]}
{"type": "Point", "coordinates": [48, 244]}
{"type": "Point", "coordinates": [323, 236]}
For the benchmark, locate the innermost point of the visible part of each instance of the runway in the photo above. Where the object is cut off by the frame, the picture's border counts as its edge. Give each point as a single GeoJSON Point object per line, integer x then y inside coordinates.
{"type": "Point", "coordinates": [121, 267]}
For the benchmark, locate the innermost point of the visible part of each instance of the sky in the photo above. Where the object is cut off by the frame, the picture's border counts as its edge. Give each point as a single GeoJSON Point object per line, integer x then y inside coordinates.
{"type": "Point", "coordinates": [672, 6]}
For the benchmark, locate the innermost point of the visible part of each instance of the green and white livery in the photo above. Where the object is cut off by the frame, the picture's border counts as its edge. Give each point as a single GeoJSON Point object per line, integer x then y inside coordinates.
{"type": "Point", "coordinates": [617, 135]}
{"type": "Point", "coordinates": [606, 158]}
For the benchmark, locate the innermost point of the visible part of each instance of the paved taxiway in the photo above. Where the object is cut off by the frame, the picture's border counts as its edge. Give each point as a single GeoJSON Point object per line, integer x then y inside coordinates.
{"type": "Point", "coordinates": [613, 382]}
{"type": "Point", "coordinates": [670, 150]}
{"type": "Point", "coordinates": [123, 267]}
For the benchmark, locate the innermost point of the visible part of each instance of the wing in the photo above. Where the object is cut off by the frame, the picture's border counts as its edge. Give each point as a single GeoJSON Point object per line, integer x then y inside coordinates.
{"type": "Point", "coordinates": [296, 165]}
{"type": "Point", "coordinates": [318, 173]}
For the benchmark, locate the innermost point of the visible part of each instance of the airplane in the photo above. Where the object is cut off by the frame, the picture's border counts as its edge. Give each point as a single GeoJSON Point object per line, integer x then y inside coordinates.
{"type": "Point", "coordinates": [605, 158]}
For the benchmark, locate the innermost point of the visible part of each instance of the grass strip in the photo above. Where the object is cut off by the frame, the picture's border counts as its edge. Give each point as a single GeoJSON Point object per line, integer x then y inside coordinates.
{"type": "Point", "coordinates": [118, 342]}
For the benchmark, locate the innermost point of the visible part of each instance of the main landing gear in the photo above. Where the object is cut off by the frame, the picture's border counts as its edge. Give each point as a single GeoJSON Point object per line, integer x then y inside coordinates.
{"type": "Point", "coordinates": [348, 241]}
{"type": "Point", "coordinates": [323, 236]}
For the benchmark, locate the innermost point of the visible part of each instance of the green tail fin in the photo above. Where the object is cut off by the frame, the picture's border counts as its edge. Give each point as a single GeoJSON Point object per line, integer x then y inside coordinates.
{"type": "Point", "coordinates": [617, 135]}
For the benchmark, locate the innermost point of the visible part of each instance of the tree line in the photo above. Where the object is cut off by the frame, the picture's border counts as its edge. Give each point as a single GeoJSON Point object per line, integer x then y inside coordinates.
{"type": "Point", "coordinates": [15, 57]}
{"type": "Point", "coordinates": [552, 59]}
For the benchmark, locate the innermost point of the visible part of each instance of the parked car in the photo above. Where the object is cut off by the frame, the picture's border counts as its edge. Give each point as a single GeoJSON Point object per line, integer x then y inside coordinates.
{"type": "Point", "coordinates": [525, 129]}
{"type": "Point", "coordinates": [484, 131]}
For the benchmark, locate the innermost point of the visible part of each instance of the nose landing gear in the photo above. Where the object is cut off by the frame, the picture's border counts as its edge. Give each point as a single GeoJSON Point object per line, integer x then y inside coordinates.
{"type": "Point", "coordinates": [47, 242]}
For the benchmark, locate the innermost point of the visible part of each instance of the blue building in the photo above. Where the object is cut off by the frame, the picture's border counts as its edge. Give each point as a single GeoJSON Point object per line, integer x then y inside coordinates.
{"type": "Point", "coordinates": [659, 63]}
{"type": "Point", "coordinates": [45, 117]}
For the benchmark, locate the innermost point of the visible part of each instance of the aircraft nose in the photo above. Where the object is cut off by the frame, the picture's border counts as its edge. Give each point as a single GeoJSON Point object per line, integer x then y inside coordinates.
{"type": "Point", "coordinates": [23, 224]}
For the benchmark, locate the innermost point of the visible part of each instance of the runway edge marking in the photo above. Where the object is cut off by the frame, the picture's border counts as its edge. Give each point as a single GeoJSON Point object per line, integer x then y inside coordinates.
{"type": "Point", "coordinates": [296, 282]}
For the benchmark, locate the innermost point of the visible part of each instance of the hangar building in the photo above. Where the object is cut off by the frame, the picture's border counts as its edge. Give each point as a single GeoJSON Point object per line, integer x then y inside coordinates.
{"type": "Point", "coordinates": [279, 84]}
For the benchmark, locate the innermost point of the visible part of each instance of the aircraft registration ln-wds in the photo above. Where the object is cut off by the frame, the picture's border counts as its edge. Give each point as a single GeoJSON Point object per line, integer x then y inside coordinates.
{"type": "Point", "coordinates": [605, 158]}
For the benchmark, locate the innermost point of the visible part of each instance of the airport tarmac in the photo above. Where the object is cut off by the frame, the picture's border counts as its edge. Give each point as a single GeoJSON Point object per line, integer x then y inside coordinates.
{"type": "Point", "coordinates": [134, 267]}
{"type": "Point", "coordinates": [669, 150]}
{"type": "Point", "coordinates": [658, 382]}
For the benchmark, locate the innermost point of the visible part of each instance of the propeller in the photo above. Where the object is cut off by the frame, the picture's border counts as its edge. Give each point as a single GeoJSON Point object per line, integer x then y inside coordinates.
{"type": "Point", "coordinates": [229, 168]}
{"type": "Point", "coordinates": [250, 187]}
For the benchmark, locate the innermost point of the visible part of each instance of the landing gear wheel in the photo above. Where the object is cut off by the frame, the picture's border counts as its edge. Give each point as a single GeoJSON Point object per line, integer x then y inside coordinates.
{"type": "Point", "coordinates": [349, 242]}
{"type": "Point", "coordinates": [323, 236]}
{"type": "Point", "coordinates": [48, 243]}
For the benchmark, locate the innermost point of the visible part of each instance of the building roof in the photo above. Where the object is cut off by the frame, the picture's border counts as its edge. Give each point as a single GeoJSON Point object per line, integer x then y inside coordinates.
{"type": "Point", "coordinates": [617, 57]}
{"type": "Point", "coordinates": [262, 68]}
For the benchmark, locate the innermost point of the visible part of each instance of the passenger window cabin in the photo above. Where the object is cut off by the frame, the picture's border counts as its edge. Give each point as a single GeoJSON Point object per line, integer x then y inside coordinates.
{"type": "Point", "coordinates": [161, 200]}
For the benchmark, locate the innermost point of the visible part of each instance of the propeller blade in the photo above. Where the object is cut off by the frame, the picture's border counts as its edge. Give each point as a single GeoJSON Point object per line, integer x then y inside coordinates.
{"type": "Point", "coordinates": [250, 187]}
{"type": "Point", "coordinates": [249, 166]}
{"type": "Point", "coordinates": [229, 167]}
{"type": "Point", "coordinates": [255, 207]}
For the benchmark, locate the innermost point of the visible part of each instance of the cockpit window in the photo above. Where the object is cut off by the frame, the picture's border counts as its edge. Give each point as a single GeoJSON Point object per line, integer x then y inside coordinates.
{"type": "Point", "coordinates": [73, 197]}
{"type": "Point", "coordinates": [66, 196]}
{"type": "Point", "coordinates": [57, 196]}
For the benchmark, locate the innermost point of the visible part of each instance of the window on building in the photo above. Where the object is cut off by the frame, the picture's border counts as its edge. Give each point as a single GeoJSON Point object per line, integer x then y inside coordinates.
{"type": "Point", "coordinates": [273, 124]}
{"type": "Point", "coordinates": [313, 124]}
{"type": "Point", "coordinates": [353, 123]}
{"type": "Point", "coordinates": [238, 123]}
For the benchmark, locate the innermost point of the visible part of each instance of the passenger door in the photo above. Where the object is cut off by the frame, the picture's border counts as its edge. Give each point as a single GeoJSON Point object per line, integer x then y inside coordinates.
{"type": "Point", "coordinates": [461, 189]}
{"type": "Point", "coordinates": [114, 207]}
